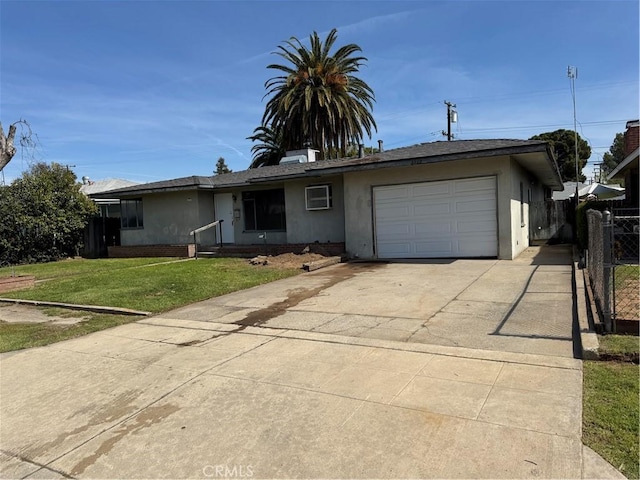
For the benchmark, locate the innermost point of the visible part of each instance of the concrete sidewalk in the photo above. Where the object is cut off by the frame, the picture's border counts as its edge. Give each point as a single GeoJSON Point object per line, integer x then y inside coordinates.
{"type": "Point", "coordinates": [133, 402]}
{"type": "Point", "coordinates": [202, 401]}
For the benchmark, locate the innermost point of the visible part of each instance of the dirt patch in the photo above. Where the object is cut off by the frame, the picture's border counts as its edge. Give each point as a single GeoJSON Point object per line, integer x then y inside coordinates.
{"type": "Point", "coordinates": [14, 313]}
{"type": "Point", "coordinates": [289, 260]}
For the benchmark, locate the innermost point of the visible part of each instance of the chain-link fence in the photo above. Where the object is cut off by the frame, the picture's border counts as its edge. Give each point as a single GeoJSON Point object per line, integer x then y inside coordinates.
{"type": "Point", "coordinates": [612, 263]}
{"type": "Point", "coordinates": [626, 284]}
{"type": "Point", "coordinates": [599, 263]}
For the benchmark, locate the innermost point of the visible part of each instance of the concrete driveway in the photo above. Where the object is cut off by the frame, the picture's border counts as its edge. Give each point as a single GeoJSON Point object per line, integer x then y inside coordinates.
{"type": "Point", "coordinates": [348, 372]}
{"type": "Point", "coordinates": [521, 306]}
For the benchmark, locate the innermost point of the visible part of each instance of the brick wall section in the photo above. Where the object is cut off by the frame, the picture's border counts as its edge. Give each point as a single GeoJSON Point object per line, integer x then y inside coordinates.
{"type": "Point", "coordinates": [631, 138]}
{"type": "Point", "coordinates": [16, 283]}
{"type": "Point", "coordinates": [326, 249]}
{"type": "Point", "coordinates": [183, 251]}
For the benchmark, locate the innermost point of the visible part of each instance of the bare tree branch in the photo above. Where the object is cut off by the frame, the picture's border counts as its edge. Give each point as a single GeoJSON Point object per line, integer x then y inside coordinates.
{"type": "Point", "coordinates": [7, 143]}
{"type": "Point", "coordinates": [7, 148]}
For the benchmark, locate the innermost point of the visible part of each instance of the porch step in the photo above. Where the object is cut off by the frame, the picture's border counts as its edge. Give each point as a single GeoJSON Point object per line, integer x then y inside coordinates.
{"type": "Point", "coordinates": [208, 254]}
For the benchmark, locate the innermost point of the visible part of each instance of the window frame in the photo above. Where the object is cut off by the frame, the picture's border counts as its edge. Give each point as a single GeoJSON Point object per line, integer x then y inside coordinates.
{"type": "Point", "coordinates": [253, 206]}
{"type": "Point", "coordinates": [138, 213]}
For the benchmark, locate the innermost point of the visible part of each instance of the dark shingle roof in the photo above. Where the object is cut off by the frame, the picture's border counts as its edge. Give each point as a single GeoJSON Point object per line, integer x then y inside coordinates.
{"type": "Point", "coordinates": [422, 153]}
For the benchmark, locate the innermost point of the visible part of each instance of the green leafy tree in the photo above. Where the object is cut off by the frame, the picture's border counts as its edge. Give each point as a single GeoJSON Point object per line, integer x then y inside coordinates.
{"type": "Point", "coordinates": [43, 215]}
{"type": "Point", "coordinates": [318, 101]}
{"type": "Point", "coordinates": [270, 148]}
{"type": "Point", "coordinates": [221, 167]}
{"type": "Point", "coordinates": [563, 144]}
{"type": "Point", "coordinates": [615, 155]}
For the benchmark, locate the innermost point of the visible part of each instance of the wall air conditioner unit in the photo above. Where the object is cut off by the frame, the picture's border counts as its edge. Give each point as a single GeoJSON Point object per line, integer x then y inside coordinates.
{"type": "Point", "coordinates": [318, 197]}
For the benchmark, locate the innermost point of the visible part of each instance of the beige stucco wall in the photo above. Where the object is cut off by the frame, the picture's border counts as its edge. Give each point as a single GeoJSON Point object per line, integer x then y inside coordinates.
{"type": "Point", "coordinates": [533, 191]}
{"type": "Point", "coordinates": [169, 217]}
{"type": "Point", "coordinates": [316, 225]}
{"type": "Point", "coordinates": [359, 235]}
{"type": "Point", "coordinates": [519, 226]}
{"type": "Point", "coordinates": [302, 226]}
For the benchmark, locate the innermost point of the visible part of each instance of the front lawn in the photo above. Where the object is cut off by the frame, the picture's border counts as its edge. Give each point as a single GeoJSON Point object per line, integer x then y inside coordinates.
{"type": "Point", "coordinates": [142, 284]}
{"type": "Point", "coordinates": [154, 285]}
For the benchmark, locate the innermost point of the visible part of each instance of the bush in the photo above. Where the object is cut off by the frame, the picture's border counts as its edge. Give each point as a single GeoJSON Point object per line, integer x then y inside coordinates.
{"type": "Point", "coordinates": [42, 216]}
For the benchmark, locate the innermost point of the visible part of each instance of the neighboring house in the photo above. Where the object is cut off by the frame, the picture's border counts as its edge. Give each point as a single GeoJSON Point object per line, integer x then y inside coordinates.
{"type": "Point", "coordinates": [465, 198]}
{"type": "Point", "coordinates": [109, 207]}
{"type": "Point", "coordinates": [569, 191]}
{"type": "Point", "coordinates": [103, 231]}
{"type": "Point", "coordinates": [627, 169]}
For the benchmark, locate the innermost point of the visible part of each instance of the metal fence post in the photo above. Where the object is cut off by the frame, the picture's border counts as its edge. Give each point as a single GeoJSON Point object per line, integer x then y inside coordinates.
{"type": "Point", "coordinates": [607, 249]}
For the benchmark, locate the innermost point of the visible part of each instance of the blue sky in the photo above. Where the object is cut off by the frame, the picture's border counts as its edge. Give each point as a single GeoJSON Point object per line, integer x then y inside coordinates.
{"type": "Point", "coordinates": [152, 90]}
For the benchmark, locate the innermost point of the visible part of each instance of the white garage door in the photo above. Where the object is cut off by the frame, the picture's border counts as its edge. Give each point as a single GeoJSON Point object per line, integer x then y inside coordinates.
{"type": "Point", "coordinates": [453, 218]}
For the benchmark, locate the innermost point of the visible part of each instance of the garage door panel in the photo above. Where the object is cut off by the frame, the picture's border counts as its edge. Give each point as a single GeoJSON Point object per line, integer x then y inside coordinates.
{"type": "Point", "coordinates": [479, 205]}
{"type": "Point", "coordinates": [433, 228]}
{"type": "Point", "coordinates": [474, 185]}
{"type": "Point", "coordinates": [454, 218]}
{"type": "Point", "coordinates": [474, 227]}
{"type": "Point", "coordinates": [393, 230]}
{"type": "Point", "coordinates": [432, 209]}
{"type": "Point", "coordinates": [475, 247]}
{"type": "Point", "coordinates": [434, 188]}
{"type": "Point", "coordinates": [396, 211]}
{"type": "Point", "coordinates": [395, 250]}
{"type": "Point", "coordinates": [441, 248]}
{"type": "Point", "coordinates": [396, 192]}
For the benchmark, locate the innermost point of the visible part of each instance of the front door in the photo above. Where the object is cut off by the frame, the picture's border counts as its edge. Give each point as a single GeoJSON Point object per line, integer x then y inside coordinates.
{"type": "Point", "coordinates": [224, 211]}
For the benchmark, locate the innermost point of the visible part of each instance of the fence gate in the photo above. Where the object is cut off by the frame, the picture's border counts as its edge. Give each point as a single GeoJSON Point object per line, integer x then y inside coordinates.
{"type": "Point", "coordinates": [550, 221]}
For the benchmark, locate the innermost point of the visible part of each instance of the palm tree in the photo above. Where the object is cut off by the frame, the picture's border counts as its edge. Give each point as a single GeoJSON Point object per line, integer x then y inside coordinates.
{"type": "Point", "coordinates": [318, 102]}
{"type": "Point", "coordinates": [270, 150]}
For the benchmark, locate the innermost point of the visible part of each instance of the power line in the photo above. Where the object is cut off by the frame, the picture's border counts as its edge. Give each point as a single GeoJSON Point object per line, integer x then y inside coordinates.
{"type": "Point", "coordinates": [527, 127]}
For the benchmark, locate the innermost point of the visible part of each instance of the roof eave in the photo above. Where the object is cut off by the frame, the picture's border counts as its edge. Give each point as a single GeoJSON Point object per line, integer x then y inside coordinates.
{"type": "Point", "coordinates": [148, 191]}
{"type": "Point", "coordinates": [624, 164]}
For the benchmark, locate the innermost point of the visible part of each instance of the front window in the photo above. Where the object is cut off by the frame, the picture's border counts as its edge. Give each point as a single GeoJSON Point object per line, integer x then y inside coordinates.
{"type": "Point", "coordinates": [131, 213]}
{"type": "Point", "coordinates": [264, 210]}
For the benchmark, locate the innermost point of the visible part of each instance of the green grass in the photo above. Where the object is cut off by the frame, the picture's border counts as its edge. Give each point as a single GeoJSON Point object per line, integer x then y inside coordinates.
{"type": "Point", "coordinates": [16, 336]}
{"type": "Point", "coordinates": [154, 288]}
{"type": "Point", "coordinates": [139, 284]}
{"type": "Point", "coordinates": [622, 345]}
{"type": "Point", "coordinates": [611, 413]}
{"type": "Point", "coordinates": [625, 273]}
{"type": "Point", "coordinates": [78, 266]}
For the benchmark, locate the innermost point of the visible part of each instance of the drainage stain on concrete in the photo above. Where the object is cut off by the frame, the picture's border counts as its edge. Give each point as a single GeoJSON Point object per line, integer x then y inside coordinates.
{"type": "Point", "coordinates": [146, 418]}
{"type": "Point", "coordinates": [295, 297]}
{"type": "Point", "coordinates": [120, 407]}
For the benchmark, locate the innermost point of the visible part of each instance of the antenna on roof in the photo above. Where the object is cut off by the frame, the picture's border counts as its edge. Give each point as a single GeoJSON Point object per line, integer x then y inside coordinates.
{"type": "Point", "coordinates": [572, 73]}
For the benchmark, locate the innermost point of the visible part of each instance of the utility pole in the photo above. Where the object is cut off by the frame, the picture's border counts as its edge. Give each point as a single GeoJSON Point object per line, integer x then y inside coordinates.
{"type": "Point", "coordinates": [452, 116]}
{"type": "Point", "coordinates": [572, 73]}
